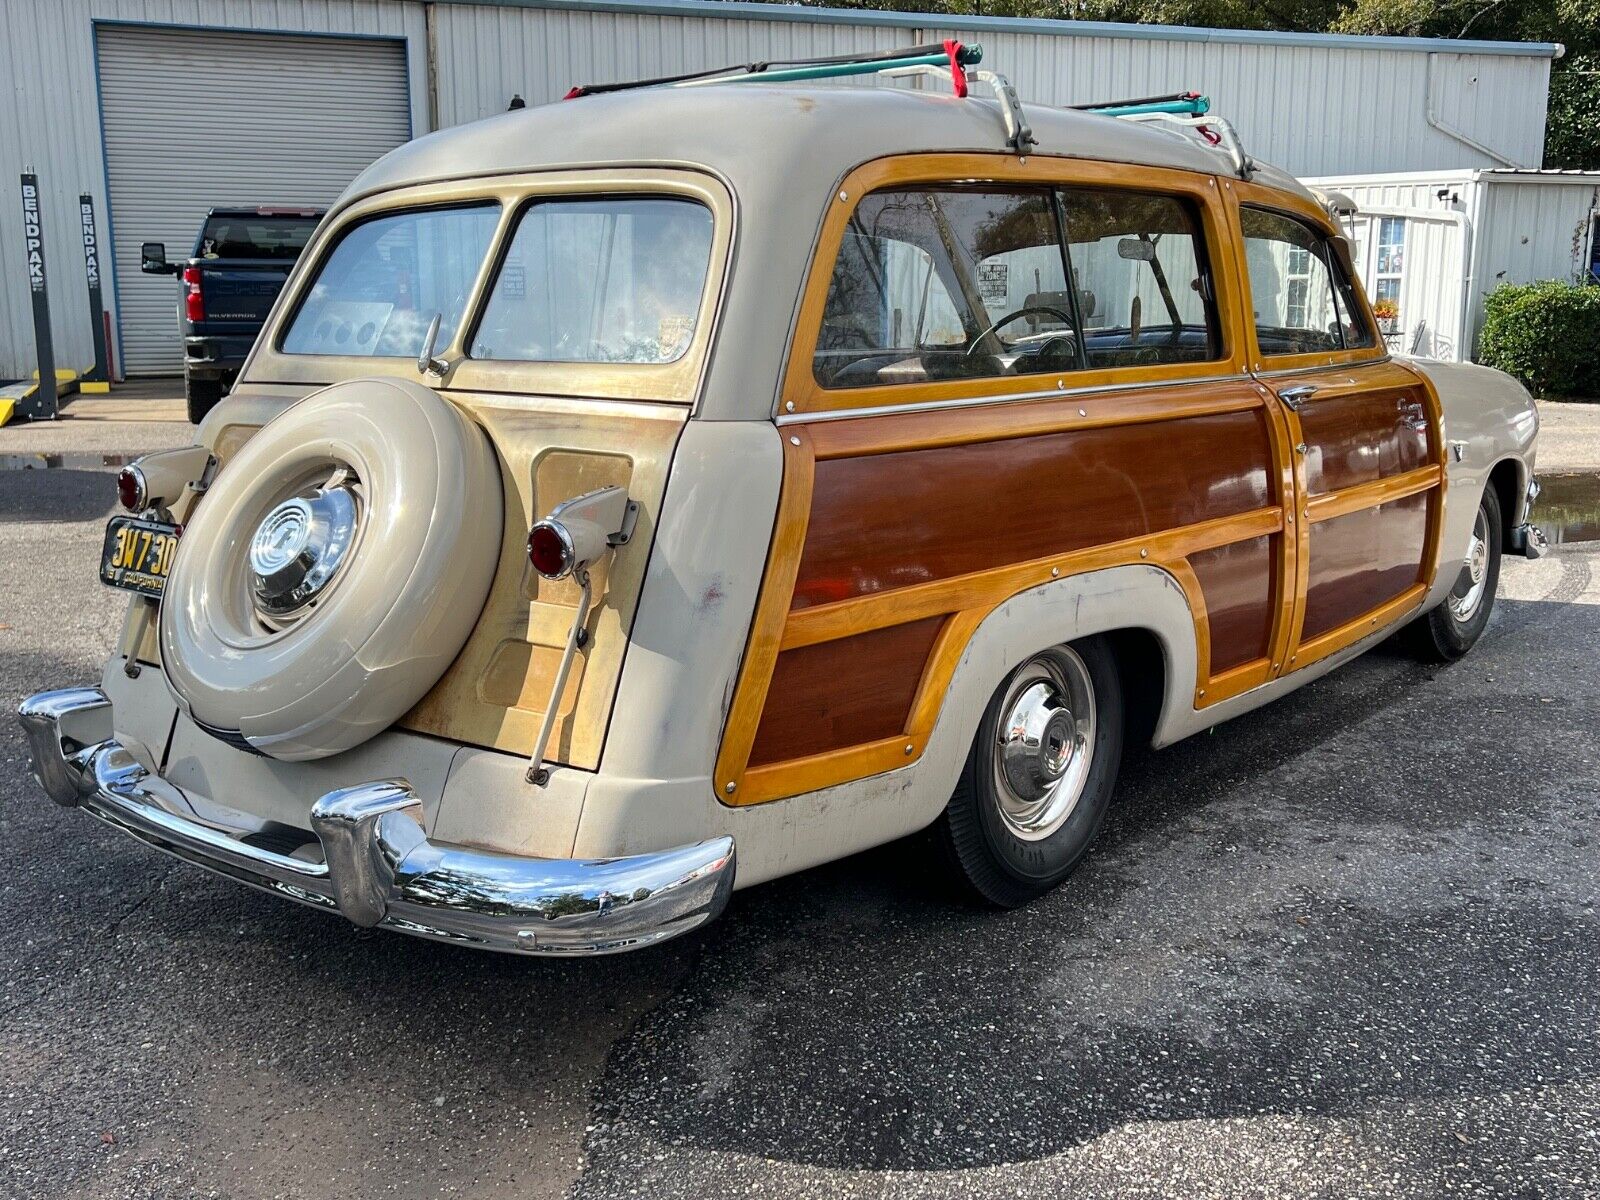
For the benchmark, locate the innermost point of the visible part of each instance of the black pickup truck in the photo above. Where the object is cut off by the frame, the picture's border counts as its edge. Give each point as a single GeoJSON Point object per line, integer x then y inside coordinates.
{"type": "Point", "coordinates": [237, 269]}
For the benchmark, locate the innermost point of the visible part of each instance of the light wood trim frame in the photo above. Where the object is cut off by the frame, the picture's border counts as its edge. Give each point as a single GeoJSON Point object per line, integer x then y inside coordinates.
{"type": "Point", "coordinates": [1254, 195]}
{"type": "Point", "coordinates": [803, 394]}
{"type": "Point", "coordinates": [964, 600]}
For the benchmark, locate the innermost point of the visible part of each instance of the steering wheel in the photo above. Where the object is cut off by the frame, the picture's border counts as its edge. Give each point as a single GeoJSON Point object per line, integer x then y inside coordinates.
{"type": "Point", "coordinates": [1026, 310]}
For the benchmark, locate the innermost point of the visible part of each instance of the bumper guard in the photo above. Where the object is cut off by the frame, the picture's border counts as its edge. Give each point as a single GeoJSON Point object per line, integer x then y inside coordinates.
{"type": "Point", "coordinates": [377, 866]}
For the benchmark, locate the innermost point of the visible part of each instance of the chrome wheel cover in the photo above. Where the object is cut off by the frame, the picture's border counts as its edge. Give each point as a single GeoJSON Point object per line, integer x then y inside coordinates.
{"type": "Point", "coordinates": [1044, 746]}
{"type": "Point", "coordinates": [1467, 596]}
{"type": "Point", "coordinates": [298, 549]}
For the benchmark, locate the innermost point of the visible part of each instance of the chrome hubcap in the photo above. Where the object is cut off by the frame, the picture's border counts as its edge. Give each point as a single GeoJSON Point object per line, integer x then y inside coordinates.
{"type": "Point", "coordinates": [298, 549]}
{"type": "Point", "coordinates": [1045, 743]}
{"type": "Point", "coordinates": [1467, 595]}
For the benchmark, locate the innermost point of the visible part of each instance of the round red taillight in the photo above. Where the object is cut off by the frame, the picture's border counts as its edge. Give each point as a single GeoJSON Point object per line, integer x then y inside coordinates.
{"type": "Point", "coordinates": [131, 489]}
{"type": "Point", "coordinates": [550, 549]}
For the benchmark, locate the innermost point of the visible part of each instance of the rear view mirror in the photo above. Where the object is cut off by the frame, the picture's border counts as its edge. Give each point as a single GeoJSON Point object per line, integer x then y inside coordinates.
{"type": "Point", "coordinates": [153, 259]}
{"type": "Point", "coordinates": [1137, 249]}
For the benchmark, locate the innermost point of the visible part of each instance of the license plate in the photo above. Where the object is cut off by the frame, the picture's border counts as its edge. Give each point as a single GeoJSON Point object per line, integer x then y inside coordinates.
{"type": "Point", "coordinates": [138, 555]}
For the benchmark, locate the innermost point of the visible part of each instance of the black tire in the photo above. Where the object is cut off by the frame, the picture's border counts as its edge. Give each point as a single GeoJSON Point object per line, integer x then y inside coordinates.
{"type": "Point", "coordinates": [201, 396]}
{"type": "Point", "coordinates": [989, 858]}
{"type": "Point", "coordinates": [1451, 628]}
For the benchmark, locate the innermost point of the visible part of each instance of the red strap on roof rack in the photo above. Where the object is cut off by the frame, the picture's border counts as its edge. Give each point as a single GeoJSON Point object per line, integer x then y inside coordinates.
{"type": "Point", "coordinates": [958, 73]}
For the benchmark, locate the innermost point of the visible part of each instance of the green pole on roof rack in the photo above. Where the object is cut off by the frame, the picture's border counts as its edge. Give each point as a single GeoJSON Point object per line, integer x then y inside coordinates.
{"type": "Point", "coordinates": [968, 56]}
{"type": "Point", "coordinates": [1199, 106]}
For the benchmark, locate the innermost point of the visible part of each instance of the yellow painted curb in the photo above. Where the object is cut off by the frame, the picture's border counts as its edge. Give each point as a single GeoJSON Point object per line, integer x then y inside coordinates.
{"type": "Point", "coordinates": [94, 389]}
{"type": "Point", "coordinates": [7, 407]}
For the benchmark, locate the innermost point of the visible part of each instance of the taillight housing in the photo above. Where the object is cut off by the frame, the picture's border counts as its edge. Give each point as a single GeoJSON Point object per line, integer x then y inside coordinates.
{"type": "Point", "coordinates": [194, 303]}
{"type": "Point", "coordinates": [550, 549]}
{"type": "Point", "coordinates": [132, 490]}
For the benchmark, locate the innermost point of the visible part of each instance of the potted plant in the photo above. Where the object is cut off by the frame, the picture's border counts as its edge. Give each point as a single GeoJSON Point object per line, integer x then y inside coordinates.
{"type": "Point", "coordinates": [1388, 314]}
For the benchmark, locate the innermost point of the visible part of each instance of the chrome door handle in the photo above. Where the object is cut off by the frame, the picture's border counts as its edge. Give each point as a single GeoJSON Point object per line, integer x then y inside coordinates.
{"type": "Point", "coordinates": [1297, 395]}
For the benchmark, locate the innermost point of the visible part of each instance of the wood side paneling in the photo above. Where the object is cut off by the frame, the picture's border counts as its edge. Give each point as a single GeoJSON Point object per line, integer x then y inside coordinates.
{"type": "Point", "coordinates": [1237, 582]}
{"type": "Point", "coordinates": [887, 521]}
{"type": "Point", "coordinates": [1358, 438]}
{"type": "Point", "coordinates": [843, 693]}
{"type": "Point", "coordinates": [1364, 559]}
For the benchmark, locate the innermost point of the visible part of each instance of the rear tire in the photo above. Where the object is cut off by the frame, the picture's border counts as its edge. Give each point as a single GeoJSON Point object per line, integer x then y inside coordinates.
{"type": "Point", "coordinates": [1453, 627]}
{"type": "Point", "coordinates": [200, 396]}
{"type": "Point", "coordinates": [1038, 780]}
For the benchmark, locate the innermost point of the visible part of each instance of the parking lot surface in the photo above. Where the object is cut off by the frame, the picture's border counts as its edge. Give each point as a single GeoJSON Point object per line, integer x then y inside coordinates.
{"type": "Point", "coordinates": [1345, 946]}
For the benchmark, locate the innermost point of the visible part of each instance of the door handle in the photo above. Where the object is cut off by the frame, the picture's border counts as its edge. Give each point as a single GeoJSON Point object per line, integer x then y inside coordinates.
{"type": "Point", "coordinates": [1297, 395]}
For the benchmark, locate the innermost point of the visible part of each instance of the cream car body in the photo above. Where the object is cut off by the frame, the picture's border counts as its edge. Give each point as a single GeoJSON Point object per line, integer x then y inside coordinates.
{"type": "Point", "coordinates": [405, 799]}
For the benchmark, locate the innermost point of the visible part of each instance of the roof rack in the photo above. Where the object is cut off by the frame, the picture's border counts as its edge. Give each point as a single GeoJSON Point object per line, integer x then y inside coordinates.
{"type": "Point", "coordinates": [952, 55]}
{"type": "Point", "coordinates": [1189, 110]}
{"type": "Point", "coordinates": [950, 59]}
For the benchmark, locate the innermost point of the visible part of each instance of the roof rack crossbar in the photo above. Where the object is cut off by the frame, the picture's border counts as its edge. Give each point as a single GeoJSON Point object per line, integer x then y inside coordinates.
{"type": "Point", "coordinates": [1182, 104]}
{"type": "Point", "coordinates": [934, 54]}
{"type": "Point", "coordinates": [1217, 131]}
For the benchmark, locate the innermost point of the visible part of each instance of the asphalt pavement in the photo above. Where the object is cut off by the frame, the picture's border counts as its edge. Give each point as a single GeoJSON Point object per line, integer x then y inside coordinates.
{"type": "Point", "coordinates": [1345, 946]}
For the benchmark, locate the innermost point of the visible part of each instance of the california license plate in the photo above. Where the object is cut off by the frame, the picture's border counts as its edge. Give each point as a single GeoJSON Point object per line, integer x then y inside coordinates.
{"type": "Point", "coordinates": [138, 555]}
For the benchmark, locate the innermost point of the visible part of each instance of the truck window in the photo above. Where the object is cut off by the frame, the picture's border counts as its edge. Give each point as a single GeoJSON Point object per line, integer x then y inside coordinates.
{"type": "Point", "coordinates": [615, 280]}
{"type": "Point", "coordinates": [255, 236]}
{"type": "Point", "coordinates": [377, 292]}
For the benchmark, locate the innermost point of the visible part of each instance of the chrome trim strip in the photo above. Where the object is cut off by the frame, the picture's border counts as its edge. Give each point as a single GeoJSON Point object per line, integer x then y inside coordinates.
{"type": "Point", "coordinates": [845, 414]}
{"type": "Point", "coordinates": [1289, 371]}
{"type": "Point", "coordinates": [378, 867]}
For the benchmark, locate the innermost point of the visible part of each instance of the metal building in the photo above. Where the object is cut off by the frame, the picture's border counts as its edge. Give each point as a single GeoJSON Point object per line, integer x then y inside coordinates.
{"type": "Point", "coordinates": [1434, 243]}
{"type": "Point", "coordinates": [160, 109]}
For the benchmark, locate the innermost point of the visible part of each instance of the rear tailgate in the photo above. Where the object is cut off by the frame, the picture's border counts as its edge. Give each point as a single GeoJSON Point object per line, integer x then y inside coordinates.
{"type": "Point", "coordinates": [238, 293]}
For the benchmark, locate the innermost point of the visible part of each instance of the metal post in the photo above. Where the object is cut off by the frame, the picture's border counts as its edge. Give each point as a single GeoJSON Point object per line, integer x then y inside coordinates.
{"type": "Point", "coordinates": [42, 405]}
{"type": "Point", "coordinates": [98, 377]}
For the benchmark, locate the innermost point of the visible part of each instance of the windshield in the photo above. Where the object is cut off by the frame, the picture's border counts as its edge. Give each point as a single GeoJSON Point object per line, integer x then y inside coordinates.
{"type": "Point", "coordinates": [245, 235]}
{"type": "Point", "coordinates": [388, 277]}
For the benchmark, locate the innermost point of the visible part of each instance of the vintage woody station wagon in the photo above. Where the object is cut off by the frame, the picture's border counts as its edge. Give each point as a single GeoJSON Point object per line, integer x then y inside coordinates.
{"type": "Point", "coordinates": [685, 469]}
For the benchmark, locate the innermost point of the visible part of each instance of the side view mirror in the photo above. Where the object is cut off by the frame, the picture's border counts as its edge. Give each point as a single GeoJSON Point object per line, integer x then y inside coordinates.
{"type": "Point", "coordinates": [153, 259]}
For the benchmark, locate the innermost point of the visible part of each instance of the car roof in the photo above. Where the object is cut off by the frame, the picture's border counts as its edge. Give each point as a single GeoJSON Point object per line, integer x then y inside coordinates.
{"type": "Point", "coordinates": [755, 135]}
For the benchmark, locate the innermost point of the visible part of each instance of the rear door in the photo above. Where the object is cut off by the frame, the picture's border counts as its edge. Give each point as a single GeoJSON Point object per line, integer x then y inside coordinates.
{"type": "Point", "coordinates": [1368, 450]}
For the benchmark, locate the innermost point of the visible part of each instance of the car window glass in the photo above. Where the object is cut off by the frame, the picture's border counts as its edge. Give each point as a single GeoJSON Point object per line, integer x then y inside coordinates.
{"type": "Point", "coordinates": [246, 236]}
{"type": "Point", "coordinates": [608, 280]}
{"type": "Point", "coordinates": [387, 277]}
{"type": "Point", "coordinates": [1138, 264]}
{"type": "Point", "coordinates": [1291, 286]}
{"type": "Point", "coordinates": [946, 284]}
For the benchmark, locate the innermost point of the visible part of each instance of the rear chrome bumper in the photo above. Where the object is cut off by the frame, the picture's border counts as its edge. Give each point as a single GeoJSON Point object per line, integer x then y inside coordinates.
{"type": "Point", "coordinates": [376, 866]}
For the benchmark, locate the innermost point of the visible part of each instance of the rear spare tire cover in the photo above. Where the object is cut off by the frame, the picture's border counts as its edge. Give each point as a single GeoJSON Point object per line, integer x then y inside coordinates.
{"type": "Point", "coordinates": [333, 569]}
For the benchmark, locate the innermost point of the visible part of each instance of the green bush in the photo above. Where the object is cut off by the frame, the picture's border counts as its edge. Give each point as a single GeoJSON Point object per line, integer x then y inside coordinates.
{"type": "Point", "coordinates": [1546, 334]}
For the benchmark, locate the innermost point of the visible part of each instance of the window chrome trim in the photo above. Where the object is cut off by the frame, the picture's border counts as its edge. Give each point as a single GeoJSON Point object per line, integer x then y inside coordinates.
{"type": "Point", "coordinates": [881, 410]}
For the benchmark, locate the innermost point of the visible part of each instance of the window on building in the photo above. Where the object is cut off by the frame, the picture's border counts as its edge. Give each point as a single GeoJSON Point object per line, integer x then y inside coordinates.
{"type": "Point", "coordinates": [957, 283]}
{"type": "Point", "coordinates": [1391, 262]}
{"type": "Point", "coordinates": [1300, 291]}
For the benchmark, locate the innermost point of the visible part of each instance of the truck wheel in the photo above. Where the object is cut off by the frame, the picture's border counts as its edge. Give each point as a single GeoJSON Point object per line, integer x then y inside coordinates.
{"type": "Point", "coordinates": [1451, 628]}
{"type": "Point", "coordinates": [200, 396]}
{"type": "Point", "coordinates": [1038, 780]}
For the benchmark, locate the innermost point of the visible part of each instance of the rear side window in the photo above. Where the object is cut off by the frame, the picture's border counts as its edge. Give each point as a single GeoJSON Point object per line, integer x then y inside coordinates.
{"type": "Point", "coordinates": [280, 238]}
{"type": "Point", "coordinates": [974, 283]}
{"type": "Point", "coordinates": [1302, 299]}
{"type": "Point", "coordinates": [387, 278]}
{"type": "Point", "coordinates": [1139, 267]}
{"type": "Point", "coordinates": [614, 280]}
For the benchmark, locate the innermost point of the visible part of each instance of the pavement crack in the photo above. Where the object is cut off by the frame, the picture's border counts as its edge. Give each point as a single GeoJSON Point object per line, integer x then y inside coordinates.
{"type": "Point", "coordinates": [115, 927]}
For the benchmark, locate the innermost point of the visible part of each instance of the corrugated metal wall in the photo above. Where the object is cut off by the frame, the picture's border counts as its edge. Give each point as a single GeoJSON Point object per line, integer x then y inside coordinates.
{"type": "Point", "coordinates": [1315, 110]}
{"type": "Point", "coordinates": [1311, 110]}
{"type": "Point", "coordinates": [1534, 230]}
{"type": "Point", "coordinates": [52, 121]}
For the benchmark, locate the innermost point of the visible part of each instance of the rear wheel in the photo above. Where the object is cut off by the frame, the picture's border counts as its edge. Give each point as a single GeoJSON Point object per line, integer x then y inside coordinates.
{"type": "Point", "coordinates": [1038, 780]}
{"type": "Point", "coordinates": [201, 396]}
{"type": "Point", "coordinates": [1452, 628]}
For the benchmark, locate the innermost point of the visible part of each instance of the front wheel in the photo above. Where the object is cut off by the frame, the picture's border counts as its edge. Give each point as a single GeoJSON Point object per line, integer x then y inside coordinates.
{"type": "Point", "coordinates": [1451, 629]}
{"type": "Point", "coordinates": [1038, 780]}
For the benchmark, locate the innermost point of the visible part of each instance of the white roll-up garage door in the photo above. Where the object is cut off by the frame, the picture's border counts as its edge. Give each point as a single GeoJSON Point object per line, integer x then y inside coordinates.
{"type": "Point", "coordinates": [194, 119]}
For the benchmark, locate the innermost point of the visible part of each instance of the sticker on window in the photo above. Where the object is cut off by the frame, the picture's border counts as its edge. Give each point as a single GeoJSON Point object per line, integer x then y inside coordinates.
{"type": "Point", "coordinates": [994, 283]}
